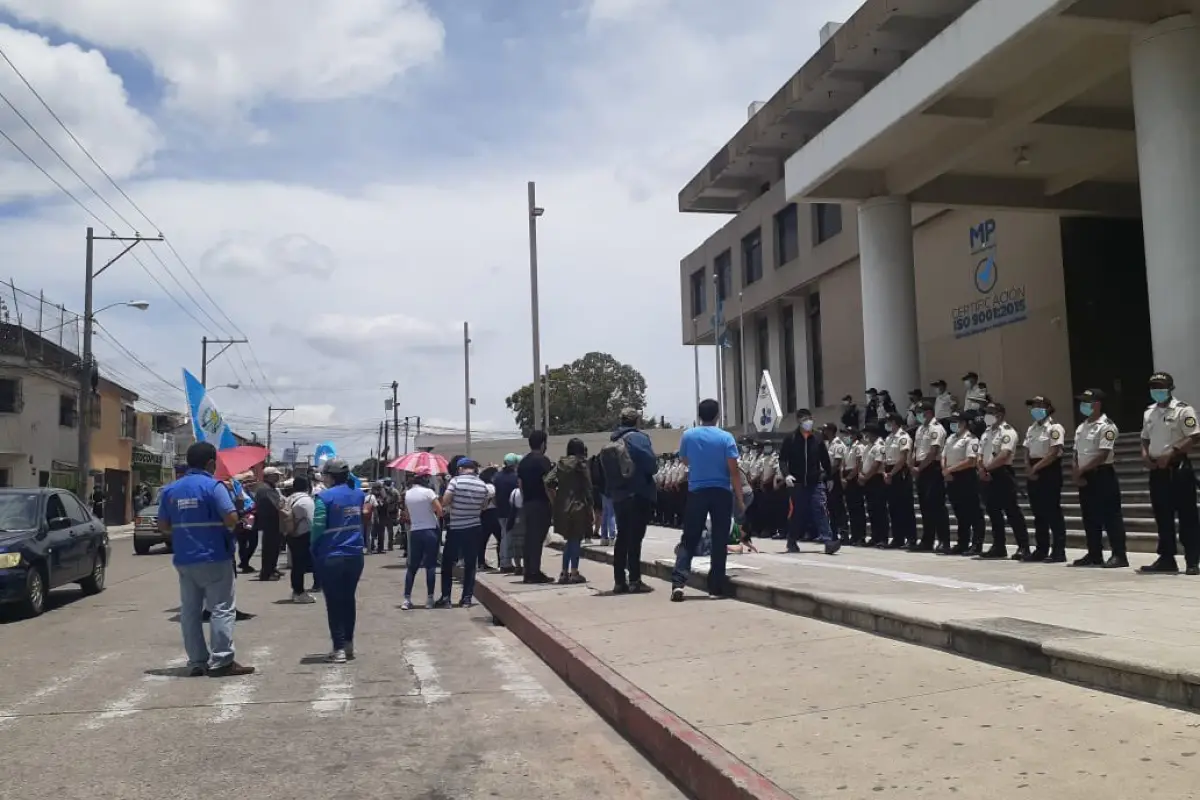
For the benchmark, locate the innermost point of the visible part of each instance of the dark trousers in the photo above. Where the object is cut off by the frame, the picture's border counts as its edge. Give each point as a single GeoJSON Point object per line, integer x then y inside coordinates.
{"type": "Point", "coordinates": [855, 497]}
{"type": "Point", "coordinates": [931, 494]}
{"type": "Point", "coordinates": [272, 543]}
{"type": "Point", "coordinates": [378, 532]}
{"type": "Point", "coordinates": [810, 516]}
{"type": "Point", "coordinates": [835, 502]}
{"type": "Point", "coordinates": [247, 543]}
{"type": "Point", "coordinates": [701, 505]}
{"type": "Point", "coordinates": [1100, 502]}
{"type": "Point", "coordinates": [339, 581]}
{"type": "Point", "coordinates": [875, 491]}
{"type": "Point", "coordinates": [1045, 500]}
{"type": "Point", "coordinates": [490, 520]}
{"type": "Point", "coordinates": [462, 543]}
{"type": "Point", "coordinates": [963, 490]}
{"type": "Point", "coordinates": [1173, 494]}
{"type": "Point", "coordinates": [633, 515]}
{"type": "Point", "coordinates": [1000, 494]}
{"type": "Point", "coordinates": [537, 526]}
{"type": "Point", "coordinates": [900, 509]}
{"type": "Point", "coordinates": [301, 555]}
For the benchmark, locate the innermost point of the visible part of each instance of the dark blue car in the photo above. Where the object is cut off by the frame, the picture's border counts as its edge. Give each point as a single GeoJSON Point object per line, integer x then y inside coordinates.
{"type": "Point", "coordinates": [48, 538]}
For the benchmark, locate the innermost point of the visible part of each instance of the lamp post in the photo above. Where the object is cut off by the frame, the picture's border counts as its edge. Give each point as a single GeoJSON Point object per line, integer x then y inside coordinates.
{"type": "Point", "coordinates": [534, 212]}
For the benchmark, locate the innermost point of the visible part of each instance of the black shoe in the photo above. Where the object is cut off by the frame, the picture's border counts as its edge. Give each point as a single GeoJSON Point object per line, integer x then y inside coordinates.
{"type": "Point", "coordinates": [960, 550]}
{"type": "Point", "coordinates": [1022, 554]}
{"type": "Point", "coordinates": [621, 588]}
{"type": "Point", "coordinates": [1037, 556]}
{"type": "Point", "coordinates": [1165, 565]}
{"type": "Point", "coordinates": [197, 672]}
{"type": "Point", "coordinates": [1089, 561]}
{"type": "Point", "coordinates": [975, 550]}
{"type": "Point", "coordinates": [507, 570]}
{"type": "Point", "coordinates": [1193, 569]}
{"type": "Point", "coordinates": [246, 569]}
{"type": "Point", "coordinates": [1116, 562]}
{"type": "Point", "coordinates": [230, 670]}
{"type": "Point", "coordinates": [1055, 558]}
{"type": "Point", "coordinates": [921, 547]}
{"type": "Point", "coordinates": [944, 549]}
{"type": "Point", "coordinates": [791, 548]}
{"type": "Point", "coordinates": [637, 587]}
{"type": "Point", "coordinates": [242, 616]}
{"type": "Point", "coordinates": [994, 554]}
{"type": "Point", "coordinates": [895, 544]}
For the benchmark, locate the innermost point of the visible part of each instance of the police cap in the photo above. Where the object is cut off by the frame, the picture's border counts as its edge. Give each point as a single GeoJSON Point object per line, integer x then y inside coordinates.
{"type": "Point", "coordinates": [1162, 379]}
{"type": "Point", "coordinates": [1092, 396]}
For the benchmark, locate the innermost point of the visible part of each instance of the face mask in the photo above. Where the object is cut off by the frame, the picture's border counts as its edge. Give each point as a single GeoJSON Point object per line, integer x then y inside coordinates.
{"type": "Point", "coordinates": [954, 427]}
{"type": "Point", "coordinates": [889, 427]}
{"type": "Point", "coordinates": [1038, 414]}
{"type": "Point", "coordinates": [990, 420]}
{"type": "Point", "coordinates": [1085, 409]}
{"type": "Point", "coordinates": [968, 384]}
{"type": "Point", "coordinates": [768, 451]}
{"type": "Point", "coordinates": [1160, 395]}
{"type": "Point", "coordinates": [806, 425]}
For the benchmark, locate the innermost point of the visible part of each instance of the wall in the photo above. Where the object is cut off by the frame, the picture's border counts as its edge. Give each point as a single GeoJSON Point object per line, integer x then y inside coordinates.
{"type": "Point", "coordinates": [32, 440]}
{"type": "Point", "coordinates": [110, 450]}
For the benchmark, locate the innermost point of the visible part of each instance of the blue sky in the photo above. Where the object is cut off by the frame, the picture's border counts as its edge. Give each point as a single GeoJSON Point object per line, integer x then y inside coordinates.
{"type": "Point", "coordinates": [349, 182]}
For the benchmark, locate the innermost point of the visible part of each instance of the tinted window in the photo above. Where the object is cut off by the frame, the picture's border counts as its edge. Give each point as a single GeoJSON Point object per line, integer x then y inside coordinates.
{"type": "Point", "coordinates": [752, 267]}
{"type": "Point", "coordinates": [699, 297]}
{"type": "Point", "coordinates": [723, 268]}
{"type": "Point", "coordinates": [54, 507]}
{"type": "Point", "coordinates": [75, 510]}
{"type": "Point", "coordinates": [787, 235]}
{"type": "Point", "coordinates": [827, 221]}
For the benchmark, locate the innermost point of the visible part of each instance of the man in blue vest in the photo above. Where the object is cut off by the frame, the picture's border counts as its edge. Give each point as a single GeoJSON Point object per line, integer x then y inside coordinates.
{"type": "Point", "coordinates": [198, 512]}
{"type": "Point", "coordinates": [337, 540]}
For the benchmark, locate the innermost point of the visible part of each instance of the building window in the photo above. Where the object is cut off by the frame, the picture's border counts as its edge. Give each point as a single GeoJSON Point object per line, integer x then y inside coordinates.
{"type": "Point", "coordinates": [762, 345]}
{"type": "Point", "coordinates": [787, 235]}
{"type": "Point", "coordinates": [68, 411]}
{"type": "Point", "coordinates": [789, 359]}
{"type": "Point", "coordinates": [699, 296]}
{"type": "Point", "coordinates": [5, 480]}
{"type": "Point", "coordinates": [723, 269]}
{"type": "Point", "coordinates": [814, 344]}
{"type": "Point", "coordinates": [752, 266]}
{"type": "Point", "coordinates": [128, 422]}
{"type": "Point", "coordinates": [827, 221]}
{"type": "Point", "coordinates": [10, 396]}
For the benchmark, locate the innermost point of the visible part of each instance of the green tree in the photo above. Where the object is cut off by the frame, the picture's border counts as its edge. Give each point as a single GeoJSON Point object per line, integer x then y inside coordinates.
{"type": "Point", "coordinates": [366, 469]}
{"type": "Point", "coordinates": [586, 396]}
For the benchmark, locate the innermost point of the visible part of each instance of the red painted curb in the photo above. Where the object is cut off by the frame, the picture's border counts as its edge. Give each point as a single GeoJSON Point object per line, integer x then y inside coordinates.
{"type": "Point", "coordinates": [700, 765]}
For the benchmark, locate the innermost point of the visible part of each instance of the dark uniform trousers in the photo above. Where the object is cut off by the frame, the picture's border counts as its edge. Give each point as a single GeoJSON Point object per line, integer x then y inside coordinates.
{"type": "Point", "coordinates": [931, 493]}
{"type": "Point", "coordinates": [963, 489]}
{"type": "Point", "coordinates": [1172, 493]}
{"type": "Point", "coordinates": [1001, 497]}
{"type": "Point", "coordinates": [876, 493]}
{"type": "Point", "coordinates": [900, 509]}
{"type": "Point", "coordinates": [1045, 499]}
{"type": "Point", "coordinates": [835, 502]}
{"type": "Point", "coordinates": [1100, 503]}
{"type": "Point", "coordinates": [855, 496]}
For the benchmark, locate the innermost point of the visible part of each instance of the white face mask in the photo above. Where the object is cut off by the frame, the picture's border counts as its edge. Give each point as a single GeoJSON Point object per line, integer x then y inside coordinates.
{"type": "Point", "coordinates": [968, 384]}
{"type": "Point", "coordinates": [990, 420]}
{"type": "Point", "coordinates": [806, 425]}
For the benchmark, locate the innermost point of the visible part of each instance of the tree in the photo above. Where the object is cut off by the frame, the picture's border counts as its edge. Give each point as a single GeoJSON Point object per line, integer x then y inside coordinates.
{"type": "Point", "coordinates": [366, 469]}
{"type": "Point", "coordinates": [586, 396]}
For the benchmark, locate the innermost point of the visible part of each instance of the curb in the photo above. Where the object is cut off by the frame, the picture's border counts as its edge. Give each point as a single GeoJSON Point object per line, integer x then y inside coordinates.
{"type": "Point", "coordinates": [699, 765]}
{"type": "Point", "coordinates": [1047, 650]}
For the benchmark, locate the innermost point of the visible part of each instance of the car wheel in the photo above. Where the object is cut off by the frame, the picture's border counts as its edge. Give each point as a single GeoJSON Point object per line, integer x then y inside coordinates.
{"type": "Point", "coordinates": [94, 583]}
{"type": "Point", "coordinates": [141, 548]}
{"type": "Point", "coordinates": [35, 593]}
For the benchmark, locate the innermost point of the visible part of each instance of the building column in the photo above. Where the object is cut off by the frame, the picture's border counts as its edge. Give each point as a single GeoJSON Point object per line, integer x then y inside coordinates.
{"type": "Point", "coordinates": [889, 295]}
{"type": "Point", "coordinates": [800, 348]}
{"type": "Point", "coordinates": [729, 401]}
{"type": "Point", "coordinates": [1166, 103]}
{"type": "Point", "coordinates": [774, 344]}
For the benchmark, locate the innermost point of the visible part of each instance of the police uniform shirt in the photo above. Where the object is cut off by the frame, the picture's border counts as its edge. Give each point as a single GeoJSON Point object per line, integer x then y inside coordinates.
{"type": "Point", "coordinates": [855, 454]}
{"type": "Point", "coordinates": [1094, 438]}
{"type": "Point", "coordinates": [1042, 437]}
{"type": "Point", "coordinates": [929, 436]}
{"type": "Point", "coordinates": [837, 453]}
{"type": "Point", "coordinates": [1168, 426]}
{"type": "Point", "coordinates": [944, 405]}
{"type": "Point", "coordinates": [912, 420]}
{"type": "Point", "coordinates": [960, 447]}
{"type": "Point", "coordinates": [975, 399]}
{"type": "Point", "coordinates": [873, 454]}
{"type": "Point", "coordinates": [997, 440]}
{"type": "Point", "coordinates": [895, 444]}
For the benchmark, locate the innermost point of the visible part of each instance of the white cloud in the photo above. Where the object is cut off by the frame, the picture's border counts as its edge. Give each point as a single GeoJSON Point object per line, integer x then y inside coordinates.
{"type": "Point", "coordinates": [321, 414]}
{"type": "Point", "coordinates": [224, 57]}
{"type": "Point", "coordinates": [247, 254]}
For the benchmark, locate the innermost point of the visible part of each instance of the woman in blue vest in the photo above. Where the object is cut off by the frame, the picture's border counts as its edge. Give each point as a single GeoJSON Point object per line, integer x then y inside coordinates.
{"type": "Point", "coordinates": [337, 549]}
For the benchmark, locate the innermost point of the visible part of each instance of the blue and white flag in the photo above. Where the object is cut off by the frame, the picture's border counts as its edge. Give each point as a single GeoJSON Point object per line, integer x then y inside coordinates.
{"type": "Point", "coordinates": [207, 423]}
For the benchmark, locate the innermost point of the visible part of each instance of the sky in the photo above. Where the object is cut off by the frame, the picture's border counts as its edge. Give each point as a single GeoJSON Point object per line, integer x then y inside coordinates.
{"type": "Point", "coordinates": [344, 184]}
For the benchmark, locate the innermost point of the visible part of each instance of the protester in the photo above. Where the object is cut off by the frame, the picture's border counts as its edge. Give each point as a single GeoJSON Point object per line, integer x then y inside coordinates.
{"type": "Point", "coordinates": [571, 483]}
{"type": "Point", "coordinates": [425, 513]}
{"type": "Point", "coordinates": [393, 505]}
{"type": "Point", "coordinates": [375, 517]}
{"type": "Point", "coordinates": [299, 547]}
{"type": "Point", "coordinates": [337, 547]}
{"type": "Point", "coordinates": [516, 530]}
{"type": "Point", "coordinates": [531, 473]}
{"type": "Point", "coordinates": [266, 520]}
{"type": "Point", "coordinates": [804, 462]}
{"type": "Point", "coordinates": [198, 513]}
{"type": "Point", "coordinates": [489, 520]}
{"type": "Point", "coordinates": [247, 533]}
{"type": "Point", "coordinates": [629, 466]}
{"type": "Point", "coordinates": [505, 484]}
{"type": "Point", "coordinates": [464, 500]}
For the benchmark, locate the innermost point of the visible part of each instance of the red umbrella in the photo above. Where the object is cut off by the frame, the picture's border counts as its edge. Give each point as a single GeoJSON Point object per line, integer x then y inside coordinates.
{"type": "Point", "coordinates": [237, 460]}
{"type": "Point", "coordinates": [421, 463]}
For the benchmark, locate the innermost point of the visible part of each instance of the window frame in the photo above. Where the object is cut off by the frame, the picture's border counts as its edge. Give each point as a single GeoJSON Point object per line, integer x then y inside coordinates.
{"type": "Point", "coordinates": [789, 212]}
{"type": "Point", "coordinates": [826, 223]}
{"type": "Point", "coordinates": [699, 293]}
{"type": "Point", "coordinates": [18, 404]}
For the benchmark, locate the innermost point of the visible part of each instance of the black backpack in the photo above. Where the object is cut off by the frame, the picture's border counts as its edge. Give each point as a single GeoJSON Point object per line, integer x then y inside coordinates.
{"type": "Point", "coordinates": [617, 464]}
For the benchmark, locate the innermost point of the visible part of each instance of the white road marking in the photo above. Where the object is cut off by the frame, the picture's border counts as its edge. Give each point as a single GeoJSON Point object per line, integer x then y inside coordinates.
{"type": "Point", "coordinates": [428, 681]}
{"type": "Point", "coordinates": [516, 678]}
{"type": "Point", "coordinates": [234, 694]}
{"type": "Point", "coordinates": [897, 575]}
{"type": "Point", "coordinates": [57, 684]}
{"type": "Point", "coordinates": [335, 693]}
{"type": "Point", "coordinates": [129, 703]}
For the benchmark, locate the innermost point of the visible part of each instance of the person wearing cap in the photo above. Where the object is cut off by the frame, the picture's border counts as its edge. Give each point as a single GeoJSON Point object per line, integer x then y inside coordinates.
{"type": "Point", "coordinates": [1043, 482]}
{"type": "Point", "coordinates": [944, 403]}
{"type": "Point", "coordinates": [836, 500]}
{"type": "Point", "coordinates": [852, 490]}
{"type": "Point", "coordinates": [850, 413]}
{"type": "Point", "coordinates": [912, 415]}
{"type": "Point", "coordinates": [266, 520]}
{"type": "Point", "coordinates": [997, 447]}
{"type": "Point", "coordinates": [805, 464]}
{"type": "Point", "coordinates": [870, 477]}
{"type": "Point", "coordinates": [1099, 486]}
{"type": "Point", "coordinates": [505, 484]}
{"type": "Point", "coordinates": [897, 479]}
{"type": "Point", "coordinates": [931, 483]}
{"type": "Point", "coordinates": [976, 396]}
{"type": "Point", "coordinates": [633, 498]}
{"type": "Point", "coordinates": [536, 509]}
{"type": "Point", "coordinates": [1169, 432]}
{"type": "Point", "coordinates": [960, 460]}
{"type": "Point", "coordinates": [464, 500]}
{"type": "Point", "coordinates": [337, 548]}
{"type": "Point", "coordinates": [873, 410]}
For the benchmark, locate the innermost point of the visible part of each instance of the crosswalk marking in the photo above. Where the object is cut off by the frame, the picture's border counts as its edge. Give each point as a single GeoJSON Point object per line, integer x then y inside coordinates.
{"type": "Point", "coordinates": [129, 703]}
{"type": "Point", "coordinates": [421, 663]}
{"type": "Point", "coordinates": [335, 692]}
{"type": "Point", "coordinates": [516, 678]}
{"type": "Point", "coordinates": [78, 672]}
{"type": "Point", "coordinates": [235, 693]}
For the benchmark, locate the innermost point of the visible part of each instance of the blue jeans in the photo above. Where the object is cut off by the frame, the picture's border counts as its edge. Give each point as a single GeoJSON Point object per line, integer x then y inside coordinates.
{"type": "Point", "coordinates": [809, 512]}
{"type": "Point", "coordinates": [703, 504]}
{"type": "Point", "coordinates": [608, 520]}
{"type": "Point", "coordinates": [571, 553]}
{"type": "Point", "coordinates": [208, 585]}
{"type": "Point", "coordinates": [462, 543]}
{"type": "Point", "coordinates": [339, 582]}
{"type": "Point", "coordinates": [422, 554]}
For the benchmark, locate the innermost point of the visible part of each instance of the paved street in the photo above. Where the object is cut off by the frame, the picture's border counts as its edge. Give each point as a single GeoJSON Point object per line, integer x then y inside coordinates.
{"type": "Point", "coordinates": [438, 705]}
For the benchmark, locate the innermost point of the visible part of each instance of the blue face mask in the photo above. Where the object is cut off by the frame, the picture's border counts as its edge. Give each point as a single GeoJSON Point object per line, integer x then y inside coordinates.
{"type": "Point", "coordinates": [954, 427]}
{"type": "Point", "coordinates": [1038, 414]}
{"type": "Point", "coordinates": [1160, 395]}
{"type": "Point", "coordinates": [1085, 409]}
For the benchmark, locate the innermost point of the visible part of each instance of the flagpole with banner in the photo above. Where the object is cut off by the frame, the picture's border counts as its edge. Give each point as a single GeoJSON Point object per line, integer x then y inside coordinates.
{"type": "Point", "coordinates": [207, 423]}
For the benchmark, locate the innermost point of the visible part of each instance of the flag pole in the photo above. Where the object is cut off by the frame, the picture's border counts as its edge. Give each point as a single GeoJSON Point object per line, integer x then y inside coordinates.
{"type": "Point", "coordinates": [696, 356]}
{"type": "Point", "coordinates": [718, 335]}
{"type": "Point", "coordinates": [746, 409]}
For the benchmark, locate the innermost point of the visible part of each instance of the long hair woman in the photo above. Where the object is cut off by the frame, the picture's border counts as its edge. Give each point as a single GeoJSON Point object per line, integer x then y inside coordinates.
{"type": "Point", "coordinates": [574, 516]}
{"type": "Point", "coordinates": [337, 549]}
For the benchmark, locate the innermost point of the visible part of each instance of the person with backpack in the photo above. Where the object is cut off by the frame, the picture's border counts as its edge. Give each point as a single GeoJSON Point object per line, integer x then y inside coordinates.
{"type": "Point", "coordinates": [295, 521]}
{"type": "Point", "coordinates": [628, 465]}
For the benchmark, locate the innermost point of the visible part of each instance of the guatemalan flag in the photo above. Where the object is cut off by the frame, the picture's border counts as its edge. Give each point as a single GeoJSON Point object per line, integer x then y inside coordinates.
{"type": "Point", "coordinates": [207, 423]}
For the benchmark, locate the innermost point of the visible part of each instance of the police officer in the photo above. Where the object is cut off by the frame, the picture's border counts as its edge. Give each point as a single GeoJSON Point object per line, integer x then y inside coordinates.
{"type": "Point", "coordinates": [1169, 433]}
{"type": "Point", "coordinates": [897, 463]}
{"type": "Point", "coordinates": [931, 483]}
{"type": "Point", "coordinates": [849, 413]}
{"type": "Point", "coordinates": [976, 396]}
{"type": "Point", "coordinates": [944, 404]}
{"type": "Point", "coordinates": [912, 416]}
{"type": "Point", "coordinates": [836, 500]}
{"type": "Point", "coordinates": [960, 462]}
{"type": "Point", "coordinates": [198, 513]}
{"type": "Point", "coordinates": [1043, 481]}
{"type": "Point", "coordinates": [997, 447]}
{"type": "Point", "coordinates": [870, 477]}
{"type": "Point", "coordinates": [852, 490]}
{"type": "Point", "coordinates": [1099, 487]}
{"type": "Point", "coordinates": [873, 411]}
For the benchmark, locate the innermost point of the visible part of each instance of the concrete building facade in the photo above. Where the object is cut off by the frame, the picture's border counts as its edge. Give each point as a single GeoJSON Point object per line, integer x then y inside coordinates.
{"type": "Point", "coordinates": [1007, 187]}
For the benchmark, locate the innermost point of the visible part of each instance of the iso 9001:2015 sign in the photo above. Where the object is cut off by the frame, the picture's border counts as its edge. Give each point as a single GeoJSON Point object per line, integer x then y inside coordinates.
{"type": "Point", "coordinates": [993, 303]}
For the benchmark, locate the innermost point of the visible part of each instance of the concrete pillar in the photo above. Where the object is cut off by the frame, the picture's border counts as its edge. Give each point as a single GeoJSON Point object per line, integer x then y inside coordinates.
{"type": "Point", "coordinates": [774, 344]}
{"type": "Point", "coordinates": [802, 362]}
{"type": "Point", "coordinates": [889, 294]}
{"type": "Point", "coordinates": [1166, 103]}
{"type": "Point", "coordinates": [729, 401]}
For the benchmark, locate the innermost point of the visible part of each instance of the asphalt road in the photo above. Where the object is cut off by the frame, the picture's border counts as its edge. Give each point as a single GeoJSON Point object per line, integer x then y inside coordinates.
{"type": "Point", "coordinates": [439, 705]}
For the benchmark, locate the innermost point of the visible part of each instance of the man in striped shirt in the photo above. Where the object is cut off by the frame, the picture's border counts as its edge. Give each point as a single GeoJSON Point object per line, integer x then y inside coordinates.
{"type": "Point", "coordinates": [465, 499]}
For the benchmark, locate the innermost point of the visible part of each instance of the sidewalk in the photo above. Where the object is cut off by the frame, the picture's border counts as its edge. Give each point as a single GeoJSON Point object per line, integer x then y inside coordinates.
{"type": "Point", "coordinates": [1113, 630]}
{"type": "Point", "coordinates": [736, 701]}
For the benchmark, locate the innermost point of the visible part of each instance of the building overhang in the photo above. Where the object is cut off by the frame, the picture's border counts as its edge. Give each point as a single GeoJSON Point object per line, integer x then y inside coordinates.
{"type": "Point", "coordinates": [1016, 104]}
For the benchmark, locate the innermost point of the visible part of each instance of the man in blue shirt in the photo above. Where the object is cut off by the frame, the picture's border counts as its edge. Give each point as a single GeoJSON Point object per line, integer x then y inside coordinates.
{"type": "Point", "coordinates": [633, 500]}
{"type": "Point", "coordinates": [714, 490]}
{"type": "Point", "coordinates": [198, 512]}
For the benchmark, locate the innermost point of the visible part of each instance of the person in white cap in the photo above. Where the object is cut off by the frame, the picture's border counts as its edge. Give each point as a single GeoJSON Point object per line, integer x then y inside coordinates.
{"type": "Point", "coordinates": [266, 520]}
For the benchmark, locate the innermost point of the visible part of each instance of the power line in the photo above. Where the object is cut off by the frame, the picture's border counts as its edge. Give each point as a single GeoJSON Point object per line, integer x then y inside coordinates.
{"type": "Point", "coordinates": [54, 180]}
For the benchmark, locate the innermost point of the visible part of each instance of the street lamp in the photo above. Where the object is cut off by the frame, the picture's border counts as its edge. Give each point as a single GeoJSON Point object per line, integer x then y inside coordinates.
{"type": "Point", "coordinates": [140, 305]}
{"type": "Point", "coordinates": [535, 211]}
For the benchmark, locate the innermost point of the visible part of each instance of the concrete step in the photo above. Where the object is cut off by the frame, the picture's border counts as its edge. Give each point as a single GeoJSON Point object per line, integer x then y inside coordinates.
{"type": "Point", "coordinates": [1075, 524]}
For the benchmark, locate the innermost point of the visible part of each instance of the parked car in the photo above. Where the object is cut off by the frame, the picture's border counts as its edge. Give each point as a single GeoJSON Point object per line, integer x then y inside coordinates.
{"type": "Point", "coordinates": [48, 539]}
{"type": "Point", "coordinates": [146, 533]}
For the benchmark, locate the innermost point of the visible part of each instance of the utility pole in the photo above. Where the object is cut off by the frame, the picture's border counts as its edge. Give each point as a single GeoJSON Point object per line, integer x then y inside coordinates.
{"type": "Point", "coordinates": [378, 449]}
{"type": "Point", "coordinates": [271, 418]}
{"type": "Point", "coordinates": [546, 409]}
{"type": "Point", "coordinates": [86, 368]}
{"type": "Point", "coordinates": [534, 213]}
{"type": "Point", "coordinates": [467, 381]}
{"type": "Point", "coordinates": [406, 436]}
{"type": "Point", "coordinates": [396, 421]}
{"type": "Point", "coordinates": [384, 453]}
{"type": "Point", "coordinates": [205, 360]}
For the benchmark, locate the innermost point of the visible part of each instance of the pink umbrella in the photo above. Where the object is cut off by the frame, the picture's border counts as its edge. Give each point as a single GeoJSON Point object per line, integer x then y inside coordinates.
{"type": "Point", "coordinates": [421, 463]}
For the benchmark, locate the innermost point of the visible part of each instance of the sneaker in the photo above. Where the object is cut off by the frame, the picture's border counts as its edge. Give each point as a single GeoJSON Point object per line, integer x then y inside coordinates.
{"type": "Point", "coordinates": [303, 599]}
{"type": "Point", "coordinates": [196, 672]}
{"type": "Point", "coordinates": [621, 588]}
{"type": "Point", "coordinates": [442, 602]}
{"type": "Point", "coordinates": [350, 650]}
{"type": "Point", "coordinates": [576, 578]}
{"type": "Point", "coordinates": [430, 603]}
{"type": "Point", "coordinates": [466, 602]}
{"type": "Point", "coordinates": [564, 579]}
{"type": "Point", "coordinates": [406, 605]}
{"type": "Point", "coordinates": [336, 657]}
{"type": "Point", "coordinates": [230, 670]}
{"type": "Point", "coordinates": [832, 547]}
{"type": "Point", "coordinates": [637, 587]}
{"type": "Point", "coordinates": [677, 595]}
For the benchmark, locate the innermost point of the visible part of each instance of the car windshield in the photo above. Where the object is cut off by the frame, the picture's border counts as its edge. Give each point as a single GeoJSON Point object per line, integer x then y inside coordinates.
{"type": "Point", "coordinates": [18, 511]}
